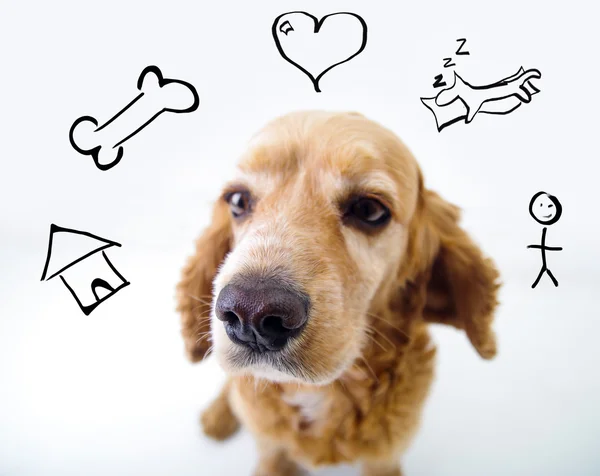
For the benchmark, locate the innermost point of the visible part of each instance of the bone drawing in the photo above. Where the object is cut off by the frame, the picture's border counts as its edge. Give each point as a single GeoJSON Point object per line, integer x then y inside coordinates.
{"type": "Point", "coordinates": [464, 101]}
{"type": "Point", "coordinates": [104, 143]}
{"type": "Point", "coordinates": [317, 46]}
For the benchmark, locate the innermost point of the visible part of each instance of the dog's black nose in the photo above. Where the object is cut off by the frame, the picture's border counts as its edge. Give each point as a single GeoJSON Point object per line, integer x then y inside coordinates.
{"type": "Point", "coordinates": [262, 315]}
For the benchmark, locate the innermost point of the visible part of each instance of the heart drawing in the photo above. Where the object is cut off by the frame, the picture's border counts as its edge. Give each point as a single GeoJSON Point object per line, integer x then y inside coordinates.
{"type": "Point", "coordinates": [316, 47]}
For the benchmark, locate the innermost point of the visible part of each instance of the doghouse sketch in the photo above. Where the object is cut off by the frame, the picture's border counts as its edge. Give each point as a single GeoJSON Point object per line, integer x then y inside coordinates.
{"type": "Point", "coordinates": [94, 279]}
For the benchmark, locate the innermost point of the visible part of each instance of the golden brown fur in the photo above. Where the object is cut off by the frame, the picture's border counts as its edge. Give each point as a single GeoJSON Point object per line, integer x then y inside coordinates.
{"type": "Point", "coordinates": [361, 370]}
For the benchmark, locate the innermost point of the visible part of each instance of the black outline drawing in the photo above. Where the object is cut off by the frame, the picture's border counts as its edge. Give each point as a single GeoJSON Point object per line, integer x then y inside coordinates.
{"type": "Point", "coordinates": [501, 97]}
{"type": "Point", "coordinates": [542, 247]}
{"type": "Point", "coordinates": [318, 24]}
{"type": "Point", "coordinates": [459, 50]}
{"type": "Point", "coordinates": [95, 151]}
{"type": "Point", "coordinates": [438, 83]}
{"type": "Point", "coordinates": [286, 27]}
{"type": "Point", "coordinates": [463, 101]}
{"type": "Point", "coordinates": [447, 63]}
{"type": "Point", "coordinates": [96, 283]}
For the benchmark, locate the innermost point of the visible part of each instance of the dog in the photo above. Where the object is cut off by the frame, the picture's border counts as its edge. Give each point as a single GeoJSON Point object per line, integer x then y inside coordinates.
{"type": "Point", "coordinates": [314, 285]}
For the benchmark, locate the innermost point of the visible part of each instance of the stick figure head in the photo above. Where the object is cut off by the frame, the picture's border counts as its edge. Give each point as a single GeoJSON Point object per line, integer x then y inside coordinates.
{"type": "Point", "coordinates": [545, 208]}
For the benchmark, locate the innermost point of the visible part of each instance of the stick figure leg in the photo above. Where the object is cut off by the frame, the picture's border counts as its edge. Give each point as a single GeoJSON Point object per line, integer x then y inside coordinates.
{"type": "Point", "coordinates": [542, 271]}
{"type": "Point", "coordinates": [552, 277]}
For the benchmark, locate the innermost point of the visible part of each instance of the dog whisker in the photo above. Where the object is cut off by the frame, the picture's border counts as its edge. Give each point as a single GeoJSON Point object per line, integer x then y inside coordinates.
{"type": "Point", "coordinates": [200, 306]}
{"type": "Point", "coordinates": [203, 316]}
{"type": "Point", "coordinates": [379, 318]}
{"type": "Point", "coordinates": [207, 334]}
{"type": "Point", "coordinates": [200, 300]}
{"type": "Point", "coordinates": [341, 382]}
{"type": "Point", "coordinates": [355, 366]}
{"type": "Point", "coordinates": [374, 340]}
{"type": "Point", "coordinates": [256, 382]}
{"type": "Point", "coordinates": [384, 337]}
{"type": "Point", "coordinates": [374, 316]}
{"type": "Point", "coordinates": [369, 367]}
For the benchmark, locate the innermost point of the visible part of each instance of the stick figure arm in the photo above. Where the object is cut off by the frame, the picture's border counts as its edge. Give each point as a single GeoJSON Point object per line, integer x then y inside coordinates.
{"type": "Point", "coordinates": [535, 246]}
{"type": "Point", "coordinates": [554, 248]}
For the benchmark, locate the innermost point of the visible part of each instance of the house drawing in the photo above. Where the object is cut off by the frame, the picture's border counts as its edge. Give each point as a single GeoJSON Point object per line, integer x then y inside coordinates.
{"type": "Point", "coordinates": [79, 259]}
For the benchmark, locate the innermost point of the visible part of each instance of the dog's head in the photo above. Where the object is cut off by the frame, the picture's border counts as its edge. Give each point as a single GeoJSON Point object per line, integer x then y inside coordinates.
{"type": "Point", "coordinates": [326, 217]}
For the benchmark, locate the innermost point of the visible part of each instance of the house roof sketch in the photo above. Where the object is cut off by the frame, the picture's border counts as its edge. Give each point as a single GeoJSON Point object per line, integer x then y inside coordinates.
{"type": "Point", "coordinates": [93, 282]}
{"type": "Point", "coordinates": [82, 245]}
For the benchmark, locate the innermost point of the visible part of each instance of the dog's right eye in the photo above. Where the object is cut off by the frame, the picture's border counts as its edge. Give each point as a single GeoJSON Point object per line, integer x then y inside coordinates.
{"type": "Point", "coordinates": [366, 213]}
{"type": "Point", "coordinates": [239, 203]}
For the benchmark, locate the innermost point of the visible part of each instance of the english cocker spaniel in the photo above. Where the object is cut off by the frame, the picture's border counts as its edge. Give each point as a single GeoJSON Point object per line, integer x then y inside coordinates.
{"type": "Point", "coordinates": [314, 285]}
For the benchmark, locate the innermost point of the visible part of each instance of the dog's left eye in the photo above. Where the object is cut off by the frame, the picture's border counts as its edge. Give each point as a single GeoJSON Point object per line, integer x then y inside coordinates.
{"type": "Point", "coordinates": [239, 202]}
{"type": "Point", "coordinates": [368, 211]}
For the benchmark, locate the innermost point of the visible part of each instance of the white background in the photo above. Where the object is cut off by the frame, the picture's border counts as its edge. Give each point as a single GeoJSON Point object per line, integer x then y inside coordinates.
{"type": "Point", "coordinates": [111, 393]}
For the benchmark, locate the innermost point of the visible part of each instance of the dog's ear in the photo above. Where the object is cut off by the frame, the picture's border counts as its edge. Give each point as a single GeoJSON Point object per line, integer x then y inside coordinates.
{"type": "Point", "coordinates": [194, 291]}
{"type": "Point", "coordinates": [461, 284]}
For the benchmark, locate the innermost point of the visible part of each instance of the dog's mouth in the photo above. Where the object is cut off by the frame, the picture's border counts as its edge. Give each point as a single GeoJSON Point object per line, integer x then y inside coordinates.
{"type": "Point", "coordinates": [290, 364]}
{"type": "Point", "coordinates": [271, 364]}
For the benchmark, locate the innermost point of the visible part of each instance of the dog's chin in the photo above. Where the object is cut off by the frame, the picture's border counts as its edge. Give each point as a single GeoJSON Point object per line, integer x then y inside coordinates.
{"type": "Point", "coordinates": [272, 366]}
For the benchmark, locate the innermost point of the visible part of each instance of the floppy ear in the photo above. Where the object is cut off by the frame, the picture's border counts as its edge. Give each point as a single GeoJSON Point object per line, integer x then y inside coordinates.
{"type": "Point", "coordinates": [194, 291]}
{"type": "Point", "coordinates": [461, 284]}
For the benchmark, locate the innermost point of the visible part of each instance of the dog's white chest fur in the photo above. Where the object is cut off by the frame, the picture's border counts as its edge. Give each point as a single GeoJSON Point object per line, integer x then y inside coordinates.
{"type": "Point", "coordinates": [312, 406]}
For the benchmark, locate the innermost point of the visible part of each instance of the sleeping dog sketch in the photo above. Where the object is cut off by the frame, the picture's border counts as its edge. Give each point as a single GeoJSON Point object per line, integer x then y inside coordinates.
{"type": "Point", "coordinates": [463, 101]}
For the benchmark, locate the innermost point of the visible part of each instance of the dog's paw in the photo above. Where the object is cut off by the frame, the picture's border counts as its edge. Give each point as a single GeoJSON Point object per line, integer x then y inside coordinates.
{"type": "Point", "coordinates": [385, 469]}
{"type": "Point", "coordinates": [278, 464]}
{"type": "Point", "coordinates": [383, 472]}
{"type": "Point", "coordinates": [283, 470]}
{"type": "Point", "coordinates": [218, 421]}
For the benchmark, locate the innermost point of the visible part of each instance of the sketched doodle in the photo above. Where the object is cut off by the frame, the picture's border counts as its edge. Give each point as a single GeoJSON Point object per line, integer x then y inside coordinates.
{"type": "Point", "coordinates": [158, 95]}
{"type": "Point", "coordinates": [98, 275]}
{"type": "Point", "coordinates": [447, 63]}
{"type": "Point", "coordinates": [439, 83]}
{"type": "Point", "coordinates": [460, 51]}
{"type": "Point", "coordinates": [463, 100]}
{"type": "Point", "coordinates": [299, 35]}
{"type": "Point", "coordinates": [546, 210]}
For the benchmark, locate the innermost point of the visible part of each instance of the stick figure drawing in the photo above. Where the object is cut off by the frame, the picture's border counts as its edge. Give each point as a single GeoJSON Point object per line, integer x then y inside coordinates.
{"type": "Point", "coordinates": [546, 210]}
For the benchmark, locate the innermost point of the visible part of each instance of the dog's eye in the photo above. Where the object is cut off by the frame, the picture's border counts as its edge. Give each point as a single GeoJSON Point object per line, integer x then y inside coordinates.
{"type": "Point", "coordinates": [239, 202]}
{"type": "Point", "coordinates": [368, 211]}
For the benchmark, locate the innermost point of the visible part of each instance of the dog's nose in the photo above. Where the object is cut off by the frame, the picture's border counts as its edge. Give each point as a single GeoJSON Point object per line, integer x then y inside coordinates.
{"type": "Point", "coordinates": [261, 315]}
